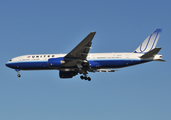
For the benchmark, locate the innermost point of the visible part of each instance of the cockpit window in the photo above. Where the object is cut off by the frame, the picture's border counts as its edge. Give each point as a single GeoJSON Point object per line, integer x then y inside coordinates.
{"type": "Point", "coordinates": [10, 60]}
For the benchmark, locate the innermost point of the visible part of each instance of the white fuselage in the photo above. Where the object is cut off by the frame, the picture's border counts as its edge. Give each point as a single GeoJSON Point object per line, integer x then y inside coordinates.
{"type": "Point", "coordinates": [99, 60]}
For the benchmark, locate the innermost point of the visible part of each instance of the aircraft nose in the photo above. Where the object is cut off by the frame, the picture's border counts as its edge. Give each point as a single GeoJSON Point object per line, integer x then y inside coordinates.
{"type": "Point", "coordinates": [10, 65]}
{"type": "Point", "coordinates": [7, 64]}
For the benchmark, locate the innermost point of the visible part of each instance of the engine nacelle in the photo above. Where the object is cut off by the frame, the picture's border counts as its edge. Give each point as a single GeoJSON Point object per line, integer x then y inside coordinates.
{"type": "Point", "coordinates": [67, 74]}
{"type": "Point", "coordinates": [94, 64]}
{"type": "Point", "coordinates": [55, 62]}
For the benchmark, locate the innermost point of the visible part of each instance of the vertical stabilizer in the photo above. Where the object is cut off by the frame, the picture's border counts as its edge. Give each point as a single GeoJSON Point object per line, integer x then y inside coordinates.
{"type": "Point", "coordinates": [149, 43]}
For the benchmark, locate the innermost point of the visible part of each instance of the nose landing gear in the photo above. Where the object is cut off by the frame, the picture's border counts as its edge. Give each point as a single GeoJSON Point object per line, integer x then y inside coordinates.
{"type": "Point", "coordinates": [18, 71]}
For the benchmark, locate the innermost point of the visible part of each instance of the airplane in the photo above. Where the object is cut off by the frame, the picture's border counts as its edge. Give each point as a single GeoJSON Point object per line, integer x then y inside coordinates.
{"type": "Point", "coordinates": [80, 61]}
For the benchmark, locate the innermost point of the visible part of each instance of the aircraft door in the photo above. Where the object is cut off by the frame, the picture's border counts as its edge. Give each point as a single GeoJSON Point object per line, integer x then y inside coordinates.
{"type": "Point", "coordinates": [127, 59]}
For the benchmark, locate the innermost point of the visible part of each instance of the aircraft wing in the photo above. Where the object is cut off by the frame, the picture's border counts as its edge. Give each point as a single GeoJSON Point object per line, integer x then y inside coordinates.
{"type": "Point", "coordinates": [80, 52]}
{"type": "Point", "coordinates": [82, 49]}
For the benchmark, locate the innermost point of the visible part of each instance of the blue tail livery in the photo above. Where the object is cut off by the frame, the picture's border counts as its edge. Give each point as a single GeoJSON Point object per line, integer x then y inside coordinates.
{"type": "Point", "coordinates": [149, 43]}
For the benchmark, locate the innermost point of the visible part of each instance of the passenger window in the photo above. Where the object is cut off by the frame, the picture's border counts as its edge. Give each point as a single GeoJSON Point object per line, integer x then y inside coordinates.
{"type": "Point", "coordinates": [48, 55]}
{"type": "Point", "coordinates": [37, 56]}
{"type": "Point", "coordinates": [33, 56]}
{"type": "Point", "coordinates": [53, 55]}
{"type": "Point", "coordinates": [44, 55]}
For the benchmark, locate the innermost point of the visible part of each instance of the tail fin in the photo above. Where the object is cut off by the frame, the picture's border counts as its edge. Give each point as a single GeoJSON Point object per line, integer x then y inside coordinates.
{"type": "Point", "coordinates": [149, 43]}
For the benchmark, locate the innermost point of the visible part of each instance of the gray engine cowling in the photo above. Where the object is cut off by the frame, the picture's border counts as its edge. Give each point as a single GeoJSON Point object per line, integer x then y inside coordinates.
{"type": "Point", "coordinates": [67, 74]}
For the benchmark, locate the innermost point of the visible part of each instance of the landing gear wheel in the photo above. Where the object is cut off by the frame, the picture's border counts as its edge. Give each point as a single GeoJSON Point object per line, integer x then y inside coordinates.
{"type": "Point", "coordinates": [85, 78]}
{"type": "Point", "coordinates": [19, 75]}
{"type": "Point", "coordinates": [82, 77]}
{"type": "Point", "coordinates": [89, 79]}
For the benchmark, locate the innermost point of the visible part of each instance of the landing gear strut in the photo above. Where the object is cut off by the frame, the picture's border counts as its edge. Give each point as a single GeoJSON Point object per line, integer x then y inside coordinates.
{"type": "Point", "coordinates": [85, 77]}
{"type": "Point", "coordinates": [18, 71]}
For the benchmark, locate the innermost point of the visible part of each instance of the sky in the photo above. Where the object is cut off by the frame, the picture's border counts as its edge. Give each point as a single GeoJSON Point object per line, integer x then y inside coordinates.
{"type": "Point", "coordinates": [140, 92]}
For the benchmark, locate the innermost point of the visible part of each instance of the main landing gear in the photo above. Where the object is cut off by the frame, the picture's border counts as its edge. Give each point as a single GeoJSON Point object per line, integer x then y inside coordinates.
{"type": "Point", "coordinates": [18, 71]}
{"type": "Point", "coordinates": [85, 77]}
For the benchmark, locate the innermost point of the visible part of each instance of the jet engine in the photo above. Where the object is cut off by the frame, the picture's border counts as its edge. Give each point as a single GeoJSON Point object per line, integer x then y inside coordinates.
{"type": "Point", "coordinates": [67, 74]}
{"type": "Point", "coordinates": [55, 62]}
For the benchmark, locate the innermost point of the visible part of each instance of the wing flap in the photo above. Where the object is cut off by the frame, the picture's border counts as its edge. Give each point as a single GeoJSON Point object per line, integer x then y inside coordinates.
{"type": "Point", "coordinates": [104, 70]}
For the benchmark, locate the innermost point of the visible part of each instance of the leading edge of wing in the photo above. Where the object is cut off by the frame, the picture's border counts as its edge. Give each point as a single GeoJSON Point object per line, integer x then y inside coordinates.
{"type": "Point", "coordinates": [82, 49]}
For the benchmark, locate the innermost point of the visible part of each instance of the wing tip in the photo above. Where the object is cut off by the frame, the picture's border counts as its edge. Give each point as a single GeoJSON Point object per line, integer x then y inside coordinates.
{"type": "Point", "coordinates": [93, 32]}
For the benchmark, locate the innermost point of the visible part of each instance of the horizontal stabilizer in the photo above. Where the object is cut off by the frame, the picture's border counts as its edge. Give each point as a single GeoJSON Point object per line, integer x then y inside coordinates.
{"type": "Point", "coordinates": [104, 70]}
{"type": "Point", "coordinates": [151, 53]}
{"type": "Point", "coordinates": [160, 60]}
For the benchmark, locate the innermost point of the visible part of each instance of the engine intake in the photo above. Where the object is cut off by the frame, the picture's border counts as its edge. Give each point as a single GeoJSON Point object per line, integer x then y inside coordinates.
{"type": "Point", "coordinates": [55, 62]}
